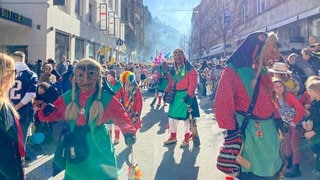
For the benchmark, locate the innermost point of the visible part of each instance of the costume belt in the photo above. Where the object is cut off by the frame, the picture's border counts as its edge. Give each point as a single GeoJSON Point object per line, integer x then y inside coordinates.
{"type": "Point", "coordinates": [254, 117]}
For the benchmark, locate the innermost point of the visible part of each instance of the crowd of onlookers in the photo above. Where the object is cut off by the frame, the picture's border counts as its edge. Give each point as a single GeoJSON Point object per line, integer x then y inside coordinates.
{"type": "Point", "coordinates": [301, 65]}
{"type": "Point", "coordinates": [44, 82]}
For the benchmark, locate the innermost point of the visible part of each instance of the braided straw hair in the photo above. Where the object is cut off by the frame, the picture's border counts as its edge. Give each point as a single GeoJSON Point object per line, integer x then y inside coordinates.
{"type": "Point", "coordinates": [96, 109]}
{"type": "Point", "coordinates": [7, 76]}
{"type": "Point", "coordinates": [271, 41]}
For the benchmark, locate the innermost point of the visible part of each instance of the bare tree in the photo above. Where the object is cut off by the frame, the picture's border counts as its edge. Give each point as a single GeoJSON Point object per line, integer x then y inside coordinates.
{"type": "Point", "coordinates": [219, 20]}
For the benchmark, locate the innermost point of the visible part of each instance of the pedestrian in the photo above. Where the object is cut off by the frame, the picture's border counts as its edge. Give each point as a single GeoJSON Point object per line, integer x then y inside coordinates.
{"type": "Point", "coordinates": [11, 137]}
{"type": "Point", "coordinates": [291, 112]}
{"type": "Point", "coordinates": [280, 71]}
{"type": "Point", "coordinates": [299, 67]}
{"type": "Point", "coordinates": [312, 59]}
{"type": "Point", "coordinates": [312, 131]}
{"type": "Point", "coordinates": [58, 83]}
{"type": "Point", "coordinates": [117, 88]}
{"type": "Point", "coordinates": [132, 99]}
{"type": "Point", "coordinates": [183, 80]}
{"type": "Point", "coordinates": [62, 66]}
{"type": "Point", "coordinates": [46, 93]}
{"type": "Point", "coordinates": [246, 67]}
{"type": "Point", "coordinates": [67, 78]}
{"type": "Point", "coordinates": [47, 75]}
{"type": "Point", "coordinates": [203, 70]}
{"type": "Point", "coordinates": [87, 108]}
{"type": "Point", "coordinates": [23, 92]}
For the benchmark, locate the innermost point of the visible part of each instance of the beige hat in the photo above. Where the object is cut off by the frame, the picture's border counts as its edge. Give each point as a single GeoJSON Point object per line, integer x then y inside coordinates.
{"type": "Point", "coordinates": [280, 68]}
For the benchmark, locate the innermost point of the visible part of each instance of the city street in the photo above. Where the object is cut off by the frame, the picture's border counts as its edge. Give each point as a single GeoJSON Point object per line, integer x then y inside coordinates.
{"type": "Point", "coordinates": [160, 162]}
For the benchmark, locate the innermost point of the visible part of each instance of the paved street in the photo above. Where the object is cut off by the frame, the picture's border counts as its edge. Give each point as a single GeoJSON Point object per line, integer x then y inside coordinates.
{"type": "Point", "coordinates": [171, 162]}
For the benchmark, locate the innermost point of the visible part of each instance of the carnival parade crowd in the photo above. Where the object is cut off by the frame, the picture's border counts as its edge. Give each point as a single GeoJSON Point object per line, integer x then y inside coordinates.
{"type": "Point", "coordinates": [264, 99]}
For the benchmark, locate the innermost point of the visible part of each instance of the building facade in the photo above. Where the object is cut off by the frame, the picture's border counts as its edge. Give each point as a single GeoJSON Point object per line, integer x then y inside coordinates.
{"type": "Point", "coordinates": [137, 19]}
{"type": "Point", "coordinates": [75, 29]}
{"type": "Point", "coordinates": [293, 20]}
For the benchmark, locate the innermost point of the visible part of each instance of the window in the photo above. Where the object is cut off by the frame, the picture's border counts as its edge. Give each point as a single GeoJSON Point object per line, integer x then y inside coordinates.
{"type": "Point", "coordinates": [79, 48]}
{"type": "Point", "coordinates": [77, 7]}
{"type": "Point", "coordinates": [111, 4]}
{"type": "Point", "coordinates": [125, 17]}
{"type": "Point", "coordinates": [245, 11]}
{"type": "Point", "coordinates": [62, 45]}
{"type": "Point", "coordinates": [92, 51]}
{"type": "Point", "coordinates": [90, 12]}
{"type": "Point", "coordinates": [261, 6]}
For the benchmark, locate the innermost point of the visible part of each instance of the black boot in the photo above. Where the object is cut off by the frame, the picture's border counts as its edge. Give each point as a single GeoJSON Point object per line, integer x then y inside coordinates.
{"type": "Point", "coordinates": [294, 172]}
{"type": "Point", "coordinates": [289, 162]}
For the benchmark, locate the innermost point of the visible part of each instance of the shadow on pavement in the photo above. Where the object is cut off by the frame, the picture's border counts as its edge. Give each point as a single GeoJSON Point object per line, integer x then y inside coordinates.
{"type": "Point", "coordinates": [155, 115]}
{"type": "Point", "coordinates": [187, 169]}
{"type": "Point", "coordinates": [168, 167]}
{"type": "Point", "coordinates": [124, 157]}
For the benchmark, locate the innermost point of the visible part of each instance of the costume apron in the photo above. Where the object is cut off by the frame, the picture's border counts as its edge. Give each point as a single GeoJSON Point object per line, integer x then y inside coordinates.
{"type": "Point", "coordinates": [266, 144]}
{"type": "Point", "coordinates": [178, 109]}
{"type": "Point", "coordinates": [101, 161]}
{"type": "Point", "coordinates": [163, 82]}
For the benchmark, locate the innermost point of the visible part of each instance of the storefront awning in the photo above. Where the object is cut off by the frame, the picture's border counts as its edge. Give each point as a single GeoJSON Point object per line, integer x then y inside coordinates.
{"type": "Point", "coordinates": [309, 13]}
{"type": "Point", "coordinates": [282, 23]}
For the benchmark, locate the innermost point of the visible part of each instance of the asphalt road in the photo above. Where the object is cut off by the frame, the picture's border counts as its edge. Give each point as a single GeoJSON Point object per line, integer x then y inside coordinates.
{"type": "Point", "coordinates": [158, 162]}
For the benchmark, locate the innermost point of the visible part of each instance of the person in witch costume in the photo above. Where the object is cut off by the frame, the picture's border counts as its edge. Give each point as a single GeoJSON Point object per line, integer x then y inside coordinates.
{"type": "Point", "coordinates": [117, 88]}
{"type": "Point", "coordinates": [132, 99]}
{"type": "Point", "coordinates": [163, 81]}
{"type": "Point", "coordinates": [183, 78]}
{"type": "Point", "coordinates": [162, 74]}
{"type": "Point", "coordinates": [86, 105]}
{"type": "Point", "coordinates": [233, 97]}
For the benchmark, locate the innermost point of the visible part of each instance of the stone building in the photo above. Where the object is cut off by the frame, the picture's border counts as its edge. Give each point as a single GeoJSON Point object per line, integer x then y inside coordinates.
{"type": "Point", "coordinates": [229, 21]}
{"type": "Point", "coordinates": [74, 28]}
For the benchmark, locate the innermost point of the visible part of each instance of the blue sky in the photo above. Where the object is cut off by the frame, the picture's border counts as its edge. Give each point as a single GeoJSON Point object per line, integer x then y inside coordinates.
{"type": "Point", "coordinates": [176, 13]}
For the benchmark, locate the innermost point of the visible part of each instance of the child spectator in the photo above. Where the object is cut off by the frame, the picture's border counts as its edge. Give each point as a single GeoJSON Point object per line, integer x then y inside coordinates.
{"type": "Point", "coordinates": [291, 112]}
{"type": "Point", "coordinates": [313, 89]}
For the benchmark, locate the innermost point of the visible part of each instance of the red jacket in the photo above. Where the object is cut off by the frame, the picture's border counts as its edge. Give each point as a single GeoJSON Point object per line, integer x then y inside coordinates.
{"type": "Point", "coordinates": [114, 111]}
{"type": "Point", "coordinates": [188, 82]}
{"type": "Point", "coordinates": [293, 101]}
{"type": "Point", "coordinates": [232, 96]}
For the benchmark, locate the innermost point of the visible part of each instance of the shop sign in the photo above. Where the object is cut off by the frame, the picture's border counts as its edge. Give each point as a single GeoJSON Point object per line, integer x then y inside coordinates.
{"type": "Point", "coordinates": [15, 17]}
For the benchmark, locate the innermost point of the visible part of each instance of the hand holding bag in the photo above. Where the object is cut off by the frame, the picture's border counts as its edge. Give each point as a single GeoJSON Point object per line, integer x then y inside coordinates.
{"type": "Point", "coordinates": [169, 96]}
{"type": "Point", "coordinates": [243, 161]}
{"type": "Point", "coordinates": [76, 148]}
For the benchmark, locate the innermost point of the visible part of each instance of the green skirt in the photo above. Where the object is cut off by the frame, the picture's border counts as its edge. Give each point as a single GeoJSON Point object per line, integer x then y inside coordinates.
{"type": "Point", "coordinates": [262, 151]}
{"type": "Point", "coordinates": [178, 109]}
{"type": "Point", "coordinates": [101, 162]}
